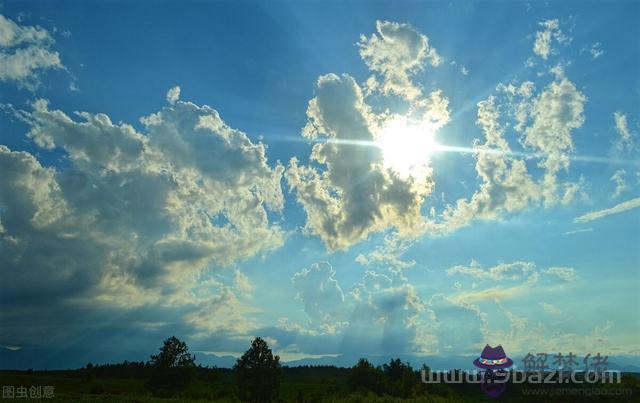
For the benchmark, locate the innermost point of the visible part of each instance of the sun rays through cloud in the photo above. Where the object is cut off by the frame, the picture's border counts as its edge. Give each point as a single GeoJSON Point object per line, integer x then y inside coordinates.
{"type": "Point", "coordinates": [417, 184]}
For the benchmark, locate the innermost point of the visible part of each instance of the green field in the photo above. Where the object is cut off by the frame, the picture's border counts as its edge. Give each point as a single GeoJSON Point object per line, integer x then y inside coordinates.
{"type": "Point", "coordinates": [306, 384]}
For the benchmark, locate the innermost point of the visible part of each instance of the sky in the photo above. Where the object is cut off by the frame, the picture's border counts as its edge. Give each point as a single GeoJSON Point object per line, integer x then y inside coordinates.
{"type": "Point", "coordinates": [340, 178]}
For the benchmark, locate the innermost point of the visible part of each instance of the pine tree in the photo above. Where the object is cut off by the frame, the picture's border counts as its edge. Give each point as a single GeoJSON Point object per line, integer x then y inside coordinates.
{"type": "Point", "coordinates": [258, 373]}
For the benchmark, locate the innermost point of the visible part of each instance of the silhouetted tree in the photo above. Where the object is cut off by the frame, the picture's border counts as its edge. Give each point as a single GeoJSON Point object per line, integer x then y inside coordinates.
{"type": "Point", "coordinates": [401, 379]}
{"type": "Point", "coordinates": [365, 375]}
{"type": "Point", "coordinates": [88, 371]}
{"type": "Point", "coordinates": [173, 368]}
{"type": "Point", "coordinates": [258, 373]}
{"type": "Point", "coordinates": [173, 353]}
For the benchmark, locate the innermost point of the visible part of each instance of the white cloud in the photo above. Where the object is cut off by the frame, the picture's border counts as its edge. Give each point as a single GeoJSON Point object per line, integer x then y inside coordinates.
{"type": "Point", "coordinates": [135, 215]}
{"type": "Point", "coordinates": [222, 313]}
{"type": "Point", "coordinates": [321, 294]}
{"type": "Point", "coordinates": [506, 185]}
{"type": "Point", "coordinates": [579, 231]}
{"type": "Point", "coordinates": [618, 208]}
{"type": "Point", "coordinates": [242, 283]}
{"type": "Point", "coordinates": [621, 184]}
{"type": "Point", "coordinates": [515, 271]}
{"type": "Point", "coordinates": [355, 194]}
{"type": "Point", "coordinates": [173, 95]}
{"type": "Point", "coordinates": [383, 312]}
{"type": "Point", "coordinates": [555, 113]}
{"type": "Point", "coordinates": [567, 274]}
{"type": "Point", "coordinates": [625, 140]}
{"type": "Point", "coordinates": [550, 308]}
{"type": "Point", "coordinates": [394, 53]}
{"type": "Point", "coordinates": [596, 51]}
{"type": "Point", "coordinates": [25, 51]}
{"type": "Point", "coordinates": [543, 45]}
{"type": "Point", "coordinates": [545, 123]}
{"type": "Point", "coordinates": [506, 280]}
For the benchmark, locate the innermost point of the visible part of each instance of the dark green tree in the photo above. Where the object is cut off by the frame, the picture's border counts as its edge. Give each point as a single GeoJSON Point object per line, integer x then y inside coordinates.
{"type": "Point", "coordinates": [172, 369]}
{"type": "Point", "coordinates": [258, 373]}
{"type": "Point", "coordinates": [402, 381]}
{"type": "Point", "coordinates": [173, 353]}
{"type": "Point", "coordinates": [364, 375]}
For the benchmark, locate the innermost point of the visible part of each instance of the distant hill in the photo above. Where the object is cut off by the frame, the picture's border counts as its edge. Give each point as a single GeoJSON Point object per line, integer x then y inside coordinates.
{"type": "Point", "coordinates": [68, 359]}
{"type": "Point", "coordinates": [621, 363]}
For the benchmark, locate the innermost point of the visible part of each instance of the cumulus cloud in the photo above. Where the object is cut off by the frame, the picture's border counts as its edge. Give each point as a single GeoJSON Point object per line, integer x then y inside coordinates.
{"type": "Point", "coordinates": [25, 51]}
{"type": "Point", "coordinates": [382, 312]}
{"type": "Point", "coordinates": [222, 313]}
{"type": "Point", "coordinates": [506, 184]}
{"type": "Point", "coordinates": [618, 208]}
{"type": "Point", "coordinates": [321, 294]}
{"type": "Point", "coordinates": [625, 141]}
{"type": "Point", "coordinates": [173, 95]}
{"type": "Point", "coordinates": [543, 45]}
{"type": "Point", "coordinates": [135, 218]}
{"type": "Point", "coordinates": [349, 191]}
{"type": "Point", "coordinates": [555, 113]}
{"type": "Point", "coordinates": [394, 53]}
{"type": "Point", "coordinates": [544, 123]}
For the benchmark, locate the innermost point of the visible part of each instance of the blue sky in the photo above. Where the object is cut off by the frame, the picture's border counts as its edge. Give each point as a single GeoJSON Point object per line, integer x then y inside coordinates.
{"type": "Point", "coordinates": [357, 178]}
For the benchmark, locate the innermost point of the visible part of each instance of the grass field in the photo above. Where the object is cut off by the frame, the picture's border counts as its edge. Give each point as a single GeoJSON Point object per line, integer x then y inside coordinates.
{"type": "Point", "coordinates": [303, 385]}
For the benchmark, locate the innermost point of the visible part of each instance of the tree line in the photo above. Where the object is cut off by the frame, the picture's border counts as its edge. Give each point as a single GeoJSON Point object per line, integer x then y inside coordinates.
{"type": "Point", "coordinates": [257, 373]}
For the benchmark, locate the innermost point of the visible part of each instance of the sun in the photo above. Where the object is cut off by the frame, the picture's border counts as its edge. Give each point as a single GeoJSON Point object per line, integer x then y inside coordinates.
{"type": "Point", "coordinates": [407, 146]}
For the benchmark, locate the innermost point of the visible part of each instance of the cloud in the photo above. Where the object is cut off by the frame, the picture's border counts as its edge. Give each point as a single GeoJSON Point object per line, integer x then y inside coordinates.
{"type": "Point", "coordinates": [135, 218]}
{"type": "Point", "coordinates": [555, 113]}
{"type": "Point", "coordinates": [25, 51]}
{"type": "Point", "coordinates": [621, 184]}
{"type": "Point", "coordinates": [506, 280]}
{"type": "Point", "coordinates": [173, 95]}
{"type": "Point", "coordinates": [222, 313]}
{"type": "Point", "coordinates": [625, 140]}
{"type": "Point", "coordinates": [504, 271]}
{"type": "Point", "coordinates": [348, 191]}
{"type": "Point", "coordinates": [492, 293]}
{"type": "Point", "coordinates": [382, 312]}
{"type": "Point", "coordinates": [544, 123]}
{"type": "Point", "coordinates": [242, 283]}
{"type": "Point", "coordinates": [567, 274]}
{"type": "Point", "coordinates": [545, 38]}
{"type": "Point", "coordinates": [550, 308]}
{"type": "Point", "coordinates": [321, 294]}
{"type": "Point", "coordinates": [394, 53]}
{"type": "Point", "coordinates": [388, 255]}
{"type": "Point", "coordinates": [524, 335]}
{"type": "Point", "coordinates": [579, 231]}
{"type": "Point", "coordinates": [458, 327]}
{"type": "Point", "coordinates": [618, 208]}
{"type": "Point", "coordinates": [596, 50]}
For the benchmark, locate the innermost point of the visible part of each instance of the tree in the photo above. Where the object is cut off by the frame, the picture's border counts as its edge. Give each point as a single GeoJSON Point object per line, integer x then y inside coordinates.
{"type": "Point", "coordinates": [401, 378]}
{"type": "Point", "coordinates": [173, 368]}
{"type": "Point", "coordinates": [365, 375]}
{"type": "Point", "coordinates": [258, 373]}
{"type": "Point", "coordinates": [173, 353]}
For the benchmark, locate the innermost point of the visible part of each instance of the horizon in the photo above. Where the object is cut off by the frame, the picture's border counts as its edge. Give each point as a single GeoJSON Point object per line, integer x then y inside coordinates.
{"type": "Point", "coordinates": [340, 179]}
